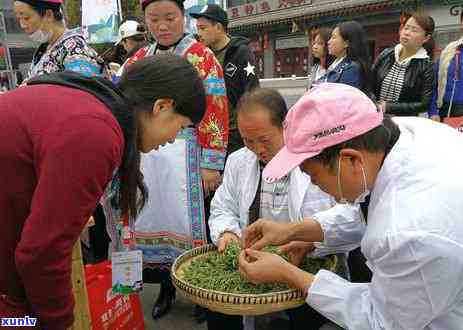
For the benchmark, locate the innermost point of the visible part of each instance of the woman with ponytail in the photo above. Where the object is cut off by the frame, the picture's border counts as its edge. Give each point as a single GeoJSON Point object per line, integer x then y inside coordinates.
{"type": "Point", "coordinates": [322, 59]}
{"type": "Point", "coordinates": [404, 75]}
{"type": "Point", "coordinates": [181, 175]}
{"type": "Point", "coordinates": [63, 138]}
{"type": "Point", "coordinates": [349, 47]}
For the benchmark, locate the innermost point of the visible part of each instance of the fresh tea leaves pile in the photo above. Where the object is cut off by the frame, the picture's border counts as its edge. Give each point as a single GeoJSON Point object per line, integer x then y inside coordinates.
{"type": "Point", "coordinates": [219, 272]}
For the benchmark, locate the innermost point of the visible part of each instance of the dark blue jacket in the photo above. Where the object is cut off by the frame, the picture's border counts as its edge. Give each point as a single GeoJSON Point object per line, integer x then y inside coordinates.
{"type": "Point", "coordinates": [458, 97]}
{"type": "Point", "coordinates": [347, 72]}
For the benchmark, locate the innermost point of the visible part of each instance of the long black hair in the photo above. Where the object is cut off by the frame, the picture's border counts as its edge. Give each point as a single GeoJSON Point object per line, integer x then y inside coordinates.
{"type": "Point", "coordinates": [142, 84]}
{"type": "Point", "coordinates": [358, 51]}
{"type": "Point", "coordinates": [165, 76]}
{"type": "Point", "coordinates": [325, 34]}
{"type": "Point", "coordinates": [146, 81]}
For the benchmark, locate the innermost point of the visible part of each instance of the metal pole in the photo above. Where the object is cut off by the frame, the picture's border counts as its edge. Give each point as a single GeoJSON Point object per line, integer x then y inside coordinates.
{"type": "Point", "coordinates": [308, 33]}
{"type": "Point", "coordinates": [119, 8]}
{"type": "Point", "coordinates": [9, 64]}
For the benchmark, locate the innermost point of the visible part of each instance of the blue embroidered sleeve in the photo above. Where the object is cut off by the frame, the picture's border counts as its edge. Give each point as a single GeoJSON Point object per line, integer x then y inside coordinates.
{"type": "Point", "coordinates": [83, 66]}
{"type": "Point", "coordinates": [215, 86]}
{"type": "Point", "coordinates": [212, 159]}
{"type": "Point", "coordinates": [79, 57]}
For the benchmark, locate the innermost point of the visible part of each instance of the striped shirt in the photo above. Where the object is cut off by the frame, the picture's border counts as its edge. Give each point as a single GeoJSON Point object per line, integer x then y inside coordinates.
{"type": "Point", "coordinates": [393, 83]}
{"type": "Point", "coordinates": [274, 200]}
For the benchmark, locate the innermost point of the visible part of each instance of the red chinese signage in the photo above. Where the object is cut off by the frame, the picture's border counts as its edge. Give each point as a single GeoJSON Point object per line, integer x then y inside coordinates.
{"type": "Point", "coordinates": [290, 3]}
{"type": "Point", "coordinates": [249, 9]}
{"type": "Point", "coordinates": [264, 6]}
{"type": "Point", "coordinates": [235, 12]}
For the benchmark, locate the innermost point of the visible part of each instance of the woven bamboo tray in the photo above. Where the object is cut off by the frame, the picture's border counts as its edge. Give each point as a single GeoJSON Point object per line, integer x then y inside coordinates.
{"type": "Point", "coordinates": [231, 303]}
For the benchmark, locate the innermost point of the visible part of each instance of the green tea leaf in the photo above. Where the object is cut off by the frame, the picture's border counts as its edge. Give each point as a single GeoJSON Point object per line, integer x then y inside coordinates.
{"type": "Point", "coordinates": [219, 272]}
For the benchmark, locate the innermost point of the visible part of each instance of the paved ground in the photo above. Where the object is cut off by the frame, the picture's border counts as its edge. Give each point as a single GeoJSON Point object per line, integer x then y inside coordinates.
{"type": "Point", "coordinates": [181, 315]}
{"type": "Point", "coordinates": [180, 318]}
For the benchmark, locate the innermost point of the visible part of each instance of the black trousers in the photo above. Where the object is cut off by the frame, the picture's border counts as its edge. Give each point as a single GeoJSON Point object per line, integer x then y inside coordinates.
{"type": "Point", "coordinates": [99, 239]}
{"type": "Point", "coordinates": [301, 318]}
{"type": "Point", "coordinates": [359, 271]}
{"type": "Point", "coordinates": [157, 276]}
{"type": "Point", "coordinates": [456, 111]}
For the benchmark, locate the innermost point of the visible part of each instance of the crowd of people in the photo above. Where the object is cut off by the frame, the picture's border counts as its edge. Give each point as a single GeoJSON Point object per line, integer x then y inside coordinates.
{"type": "Point", "coordinates": [179, 140]}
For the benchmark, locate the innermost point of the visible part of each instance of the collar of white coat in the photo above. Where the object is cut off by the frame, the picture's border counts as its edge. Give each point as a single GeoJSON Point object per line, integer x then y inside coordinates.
{"type": "Point", "coordinates": [298, 182]}
{"type": "Point", "coordinates": [420, 54]}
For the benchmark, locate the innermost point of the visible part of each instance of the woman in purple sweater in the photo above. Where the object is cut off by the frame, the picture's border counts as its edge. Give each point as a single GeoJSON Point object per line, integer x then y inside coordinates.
{"type": "Point", "coordinates": [62, 139]}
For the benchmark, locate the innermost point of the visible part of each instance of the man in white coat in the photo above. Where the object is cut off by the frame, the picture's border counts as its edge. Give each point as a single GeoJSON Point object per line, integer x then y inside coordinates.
{"type": "Point", "coordinates": [243, 197]}
{"type": "Point", "coordinates": [414, 238]}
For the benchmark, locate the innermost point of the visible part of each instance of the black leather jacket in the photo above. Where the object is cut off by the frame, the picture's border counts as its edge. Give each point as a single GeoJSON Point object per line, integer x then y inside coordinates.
{"type": "Point", "coordinates": [418, 86]}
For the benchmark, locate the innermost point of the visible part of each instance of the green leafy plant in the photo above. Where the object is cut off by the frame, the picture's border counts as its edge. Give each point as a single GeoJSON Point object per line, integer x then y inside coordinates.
{"type": "Point", "coordinates": [219, 272]}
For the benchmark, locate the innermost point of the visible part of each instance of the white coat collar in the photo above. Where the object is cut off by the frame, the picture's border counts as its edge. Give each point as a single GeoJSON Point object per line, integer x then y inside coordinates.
{"type": "Point", "coordinates": [298, 184]}
{"type": "Point", "coordinates": [420, 54]}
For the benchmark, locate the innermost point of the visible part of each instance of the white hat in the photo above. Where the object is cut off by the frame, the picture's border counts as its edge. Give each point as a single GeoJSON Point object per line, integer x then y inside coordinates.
{"type": "Point", "coordinates": [128, 29]}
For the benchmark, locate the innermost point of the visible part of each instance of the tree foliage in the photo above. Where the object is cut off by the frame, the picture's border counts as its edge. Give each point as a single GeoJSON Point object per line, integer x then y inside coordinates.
{"type": "Point", "coordinates": [73, 12]}
{"type": "Point", "coordinates": [131, 8]}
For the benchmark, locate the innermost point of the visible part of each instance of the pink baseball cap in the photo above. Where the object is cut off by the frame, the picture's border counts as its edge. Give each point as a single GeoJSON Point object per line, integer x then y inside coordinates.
{"type": "Point", "coordinates": [325, 116]}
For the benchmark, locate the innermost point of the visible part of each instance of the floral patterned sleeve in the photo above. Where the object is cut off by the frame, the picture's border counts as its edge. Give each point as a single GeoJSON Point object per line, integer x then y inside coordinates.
{"type": "Point", "coordinates": [213, 129]}
{"type": "Point", "coordinates": [79, 57]}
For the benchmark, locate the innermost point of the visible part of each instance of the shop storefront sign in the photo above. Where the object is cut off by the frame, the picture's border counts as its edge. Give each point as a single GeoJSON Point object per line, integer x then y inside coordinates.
{"type": "Point", "coordinates": [264, 6]}
{"type": "Point", "coordinates": [287, 43]}
{"type": "Point", "coordinates": [445, 15]}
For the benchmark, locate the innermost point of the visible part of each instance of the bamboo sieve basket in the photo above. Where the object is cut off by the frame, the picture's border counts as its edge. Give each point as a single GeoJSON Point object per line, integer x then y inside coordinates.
{"type": "Point", "coordinates": [232, 303]}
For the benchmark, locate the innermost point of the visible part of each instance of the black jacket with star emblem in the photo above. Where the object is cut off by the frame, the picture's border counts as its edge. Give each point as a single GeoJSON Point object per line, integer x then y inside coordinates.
{"type": "Point", "coordinates": [239, 70]}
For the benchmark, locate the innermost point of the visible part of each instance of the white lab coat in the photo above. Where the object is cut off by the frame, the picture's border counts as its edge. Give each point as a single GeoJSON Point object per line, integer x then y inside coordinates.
{"type": "Point", "coordinates": [343, 224]}
{"type": "Point", "coordinates": [413, 243]}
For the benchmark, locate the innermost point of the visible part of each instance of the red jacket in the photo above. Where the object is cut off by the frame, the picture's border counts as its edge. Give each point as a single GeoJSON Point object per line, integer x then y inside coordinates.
{"type": "Point", "coordinates": [58, 149]}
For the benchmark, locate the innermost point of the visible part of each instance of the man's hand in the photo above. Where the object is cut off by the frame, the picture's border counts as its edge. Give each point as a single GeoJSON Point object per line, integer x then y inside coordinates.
{"type": "Point", "coordinates": [266, 232]}
{"type": "Point", "coordinates": [211, 180]}
{"type": "Point", "coordinates": [297, 251]}
{"type": "Point", "coordinates": [263, 267]}
{"type": "Point", "coordinates": [225, 239]}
